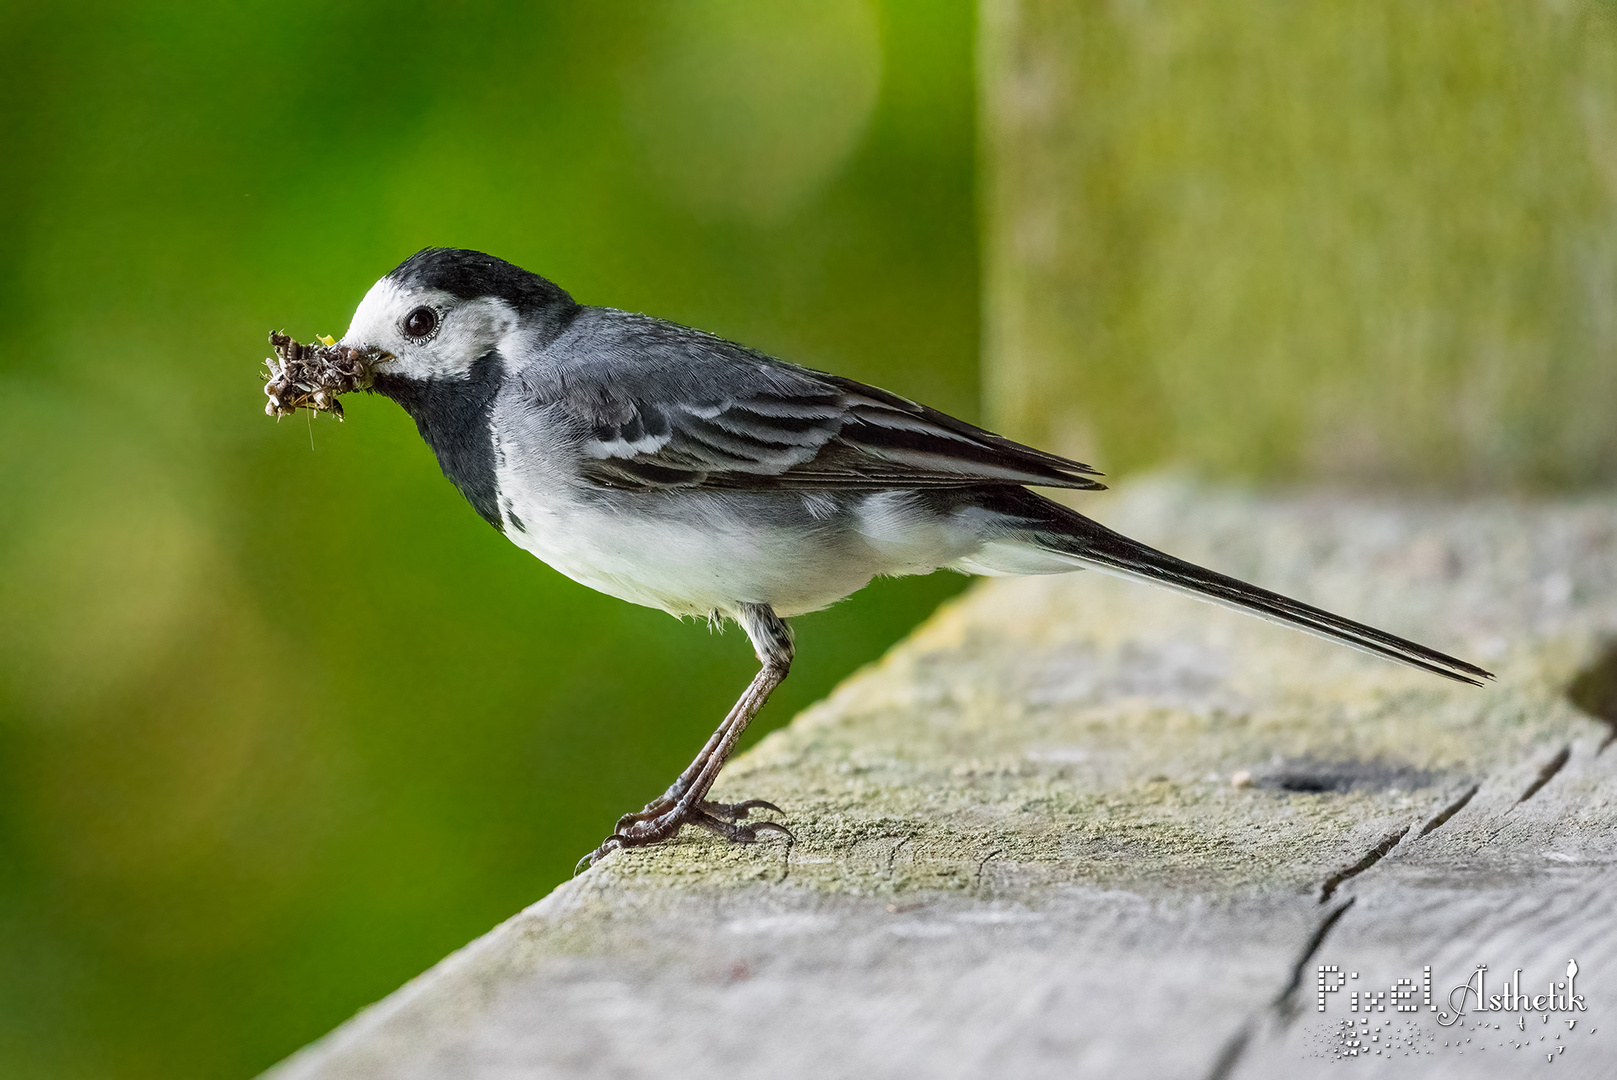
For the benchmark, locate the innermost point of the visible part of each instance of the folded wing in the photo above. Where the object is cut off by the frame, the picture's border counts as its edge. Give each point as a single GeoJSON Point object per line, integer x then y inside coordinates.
{"type": "Point", "coordinates": [815, 431]}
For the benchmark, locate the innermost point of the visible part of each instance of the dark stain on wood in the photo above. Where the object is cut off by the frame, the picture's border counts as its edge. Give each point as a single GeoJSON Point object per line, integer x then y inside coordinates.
{"type": "Point", "coordinates": [1595, 691]}
{"type": "Point", "coordinates": [1310, 776]}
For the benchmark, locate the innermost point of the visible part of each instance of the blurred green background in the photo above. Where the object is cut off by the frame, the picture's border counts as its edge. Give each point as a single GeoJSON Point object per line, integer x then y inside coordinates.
{"type": "Point", "coordinates": [281, 721]}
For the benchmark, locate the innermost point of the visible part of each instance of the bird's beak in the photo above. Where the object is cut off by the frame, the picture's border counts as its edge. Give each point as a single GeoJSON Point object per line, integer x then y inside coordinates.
{"type": "Point", "coordinates": [372, 356]}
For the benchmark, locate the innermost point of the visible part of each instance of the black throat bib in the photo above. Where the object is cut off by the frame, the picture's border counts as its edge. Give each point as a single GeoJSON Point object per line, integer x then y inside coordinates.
{"type": "Point", "coordinates": [453, 416]}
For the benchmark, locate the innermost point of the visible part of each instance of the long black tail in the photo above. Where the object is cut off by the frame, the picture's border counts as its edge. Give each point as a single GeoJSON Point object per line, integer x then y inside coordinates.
{"type": "Point", "coordinates": [1069, 533]}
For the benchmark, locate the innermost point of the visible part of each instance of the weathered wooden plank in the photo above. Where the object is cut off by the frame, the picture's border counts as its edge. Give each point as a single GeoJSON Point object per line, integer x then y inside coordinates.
{"type": "Point", "coordinates": [1076, 826]}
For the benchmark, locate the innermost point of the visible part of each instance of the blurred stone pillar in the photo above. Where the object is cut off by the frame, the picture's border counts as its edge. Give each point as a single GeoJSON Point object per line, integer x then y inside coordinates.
{"type": "Point", "coordinates": [1366, 240]}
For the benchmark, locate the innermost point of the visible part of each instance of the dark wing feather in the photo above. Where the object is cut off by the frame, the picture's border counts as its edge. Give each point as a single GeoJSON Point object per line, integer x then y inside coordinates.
{"type": "Point", "coordinates": [656, 405]}
{"type": "Point", "coordinates": [833, 432]}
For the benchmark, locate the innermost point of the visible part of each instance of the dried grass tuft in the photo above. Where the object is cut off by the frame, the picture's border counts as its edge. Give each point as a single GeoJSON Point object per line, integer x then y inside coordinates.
{"type": "Point", "coordinates": [313, 376]}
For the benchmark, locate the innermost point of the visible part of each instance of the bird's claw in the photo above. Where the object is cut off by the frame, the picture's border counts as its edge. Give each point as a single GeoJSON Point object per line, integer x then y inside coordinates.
{"type": "Point", "coordinates": [740, 834]}
{"type": "Point", "coordinates": [724, 811]}
{"type": "Point", "coordinates": [737, 811]}
{"type": "Point", "coordinates": [609, 845]}
{"type": "Point", "coordinates": [650, 825]}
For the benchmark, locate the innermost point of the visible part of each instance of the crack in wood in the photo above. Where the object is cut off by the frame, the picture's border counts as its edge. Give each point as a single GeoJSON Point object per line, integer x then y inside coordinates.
{"type": "Point", "coordinates": [1230, 1054]}
{"type": "Point", "coordinates": [1371, 857]}
{"type": "Point", "coordinates": [978, 883]}
{"type": "Point", "coordinates": [1282, 1002]}
{"type": "Point", "coordinates": [786, 861]}
{"type": "Point", "coordinates": [892, 856]}
{"type": "Point", "coordinates": [1448, 811]}
{"type": "Point", "coordinates": [1547, 773]}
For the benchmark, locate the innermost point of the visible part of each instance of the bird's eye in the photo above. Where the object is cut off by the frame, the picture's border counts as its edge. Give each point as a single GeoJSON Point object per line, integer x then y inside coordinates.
{"type": "Point", "coordinates": [421, 322]}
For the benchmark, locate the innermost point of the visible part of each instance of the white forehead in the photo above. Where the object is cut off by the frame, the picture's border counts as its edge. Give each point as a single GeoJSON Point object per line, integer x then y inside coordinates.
{"type": "Point", "coordinates": [380, 316]}
{"type": "Point", "coordinates": [467, 329]}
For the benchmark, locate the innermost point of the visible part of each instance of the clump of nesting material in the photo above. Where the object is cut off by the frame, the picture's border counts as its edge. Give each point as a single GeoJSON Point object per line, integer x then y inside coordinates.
{"type": "Point", "coordinates": [312, 376]}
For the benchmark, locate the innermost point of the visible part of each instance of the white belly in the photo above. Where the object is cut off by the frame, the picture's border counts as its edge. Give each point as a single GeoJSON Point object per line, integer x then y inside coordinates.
{"type": "Point", "coordinates": [697, 552]}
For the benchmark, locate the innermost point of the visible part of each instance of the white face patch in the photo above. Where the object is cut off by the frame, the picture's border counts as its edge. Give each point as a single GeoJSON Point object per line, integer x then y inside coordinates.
{"type": "Point", "coordinates": [463, 331]}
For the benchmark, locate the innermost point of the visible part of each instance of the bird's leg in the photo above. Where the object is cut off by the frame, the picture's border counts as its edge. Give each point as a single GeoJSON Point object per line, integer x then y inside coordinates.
{"type": "Point", "coordinates": [665, 801]}
{"type": "Point", "coordinates": [725, 811]}
{"type": "Point", "coordinates": [685, 802]}
{"type": "Point", "coordinates": [668, 799]}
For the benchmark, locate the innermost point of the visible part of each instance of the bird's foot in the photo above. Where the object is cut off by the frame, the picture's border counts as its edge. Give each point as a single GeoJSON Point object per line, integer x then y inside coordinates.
{"type": "Point", "coordinates": [655, 808]}
{"type": "Point", "coordinates": [668, 801]}
{"type": "Point", "coordinates": [649, 826]}
{"type": "Point", "coordinates": [737, 810]}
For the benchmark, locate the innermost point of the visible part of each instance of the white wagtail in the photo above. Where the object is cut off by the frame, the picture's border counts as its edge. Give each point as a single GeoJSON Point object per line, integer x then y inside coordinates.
{"type": "Point", "coordinates": [674, 469]}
